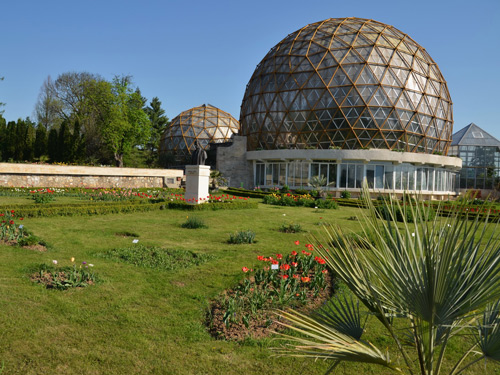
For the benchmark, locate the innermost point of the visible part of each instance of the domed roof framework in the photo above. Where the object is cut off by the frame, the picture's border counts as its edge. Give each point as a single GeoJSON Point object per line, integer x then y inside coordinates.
{"type": "Point", "coordinates": [206, 123]}
{"type": "Point", "coordinates": [349, 83]}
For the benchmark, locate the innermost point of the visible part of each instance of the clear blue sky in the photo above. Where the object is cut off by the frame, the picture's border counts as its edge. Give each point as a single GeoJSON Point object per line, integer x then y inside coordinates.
{"type": "Point", "coordinates": [192, 52]}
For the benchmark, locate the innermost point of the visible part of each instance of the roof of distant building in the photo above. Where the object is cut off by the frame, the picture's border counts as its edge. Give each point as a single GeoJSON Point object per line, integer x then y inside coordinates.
{"type": "Point", "coordinates": [473, 135]}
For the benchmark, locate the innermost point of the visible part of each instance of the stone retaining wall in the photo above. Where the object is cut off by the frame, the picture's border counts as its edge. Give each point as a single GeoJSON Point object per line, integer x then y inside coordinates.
{"type": "Point", "coordinates": [35, 175]}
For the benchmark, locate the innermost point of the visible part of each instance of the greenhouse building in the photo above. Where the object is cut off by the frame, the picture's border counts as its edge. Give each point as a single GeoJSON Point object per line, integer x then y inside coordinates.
{"type": "Point", "coordinates": [349, 99]}
{"type": "Point", "coordinates": [480, 154]}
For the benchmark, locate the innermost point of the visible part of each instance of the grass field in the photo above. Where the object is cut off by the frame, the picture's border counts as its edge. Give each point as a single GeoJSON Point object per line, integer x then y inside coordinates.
{"type": "Point", "coordinates": [144, 321]}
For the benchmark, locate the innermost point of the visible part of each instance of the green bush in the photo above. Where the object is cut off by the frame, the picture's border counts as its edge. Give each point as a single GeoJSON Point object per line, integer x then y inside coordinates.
{"type": "Point", "coordinates": [242, 237]}
{"type": "Point", "coordinates": [345, 194]}
{"type": "Point", "coordinates": [407, 212]}
{"type": "Point", "coordinates": [290, 228]}
{"type": "Point", "coordinates": [301, 191]}
{"type": "Point", "coordinates": [326, 204]}
{"type": "Point", "coordinates": [30, 240]}
{"type": "Point", "coordinates": [194, 223]}
{"type": "Point", "coordinates": [42, 198]}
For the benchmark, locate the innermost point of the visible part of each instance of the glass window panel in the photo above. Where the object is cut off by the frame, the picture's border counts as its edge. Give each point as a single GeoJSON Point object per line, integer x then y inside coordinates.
{"type": "Point", "coordinates": [291, 174]}
{"type": "Point", "coordinates": [314, 169]}
{"type": "Point", "coordinates": [411, 178]}
{"type": "Point", "coordinates": [282, 177]}
{"type": "Point", "coordinates": [370, 176]}
{"type": "Point", "coordinates": [389, 177]}
{"type": "Point", "coordinates": [397, 177]}
{"type": "Point", "coordinates": [343, 176]}
{"type": "Point", "coordinates": [332, 175]}
{"type": "Point", "coordinates": [359, 175]}
{"type": "Point", "coordinates": [269, 174]}
{"type": "Point", "coordinates": [304, 167]}
{"type": "Point", "coordinates": [379, 177]}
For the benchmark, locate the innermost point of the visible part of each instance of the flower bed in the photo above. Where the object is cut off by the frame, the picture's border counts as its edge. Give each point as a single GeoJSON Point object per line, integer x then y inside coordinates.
{"type": "Point", "coordinates": [298, 280]}
{"type": "Point", "coordinates": [59, 277]}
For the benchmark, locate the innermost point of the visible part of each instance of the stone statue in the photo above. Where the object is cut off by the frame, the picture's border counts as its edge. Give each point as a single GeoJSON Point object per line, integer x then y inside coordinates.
{"type": "Point", "coordinates": [199, 155]}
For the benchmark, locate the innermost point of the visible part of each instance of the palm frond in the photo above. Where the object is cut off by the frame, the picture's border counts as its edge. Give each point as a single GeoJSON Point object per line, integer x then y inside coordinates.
{"type": "Point", "coordinates": [322, 341]}
{"type": "Point", "coordinates": [343, 315]}
{"type": "Point", "coordinates": [489, 332]}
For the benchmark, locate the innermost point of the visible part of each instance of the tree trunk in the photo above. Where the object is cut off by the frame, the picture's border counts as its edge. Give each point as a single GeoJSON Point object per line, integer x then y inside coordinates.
{"type": "Point", "coordinates": [119, 160]}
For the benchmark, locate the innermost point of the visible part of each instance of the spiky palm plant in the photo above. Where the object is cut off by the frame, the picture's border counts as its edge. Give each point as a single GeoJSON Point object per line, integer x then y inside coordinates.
{"type": "Point", "coordinates": [438, 279]}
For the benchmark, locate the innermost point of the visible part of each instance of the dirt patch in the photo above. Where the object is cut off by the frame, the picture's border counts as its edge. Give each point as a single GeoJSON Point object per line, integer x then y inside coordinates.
{"type": "Point", "coordinates": [37, 247]}
{"type": "Point", "coordinates": [261, 325]}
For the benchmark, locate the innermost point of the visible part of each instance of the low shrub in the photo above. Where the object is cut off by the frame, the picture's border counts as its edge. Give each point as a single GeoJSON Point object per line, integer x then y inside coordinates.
{"type": "Point", "coordinates": [242, 237]}
{"type": "Point", "coordinates": [156, 257]}
{"type": "Point", "coordinates": [326, 204]}
{"type": "Point", "coordinates": [30, 240]}
{"type": "Point", "coordinates": [407, 211]}
{"type": "Point", "coordinates": [194, 223]}
{"type": "Point", "coordinates": [42, 198]}
{"type": "Point", "coordinates": [290, 228]}
{"type": "Point", "coordinates": [345, 194]}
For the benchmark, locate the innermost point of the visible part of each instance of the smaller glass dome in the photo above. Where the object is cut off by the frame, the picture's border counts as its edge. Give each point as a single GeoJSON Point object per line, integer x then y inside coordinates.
{"type": "Point", "coordinates": [205, 124]}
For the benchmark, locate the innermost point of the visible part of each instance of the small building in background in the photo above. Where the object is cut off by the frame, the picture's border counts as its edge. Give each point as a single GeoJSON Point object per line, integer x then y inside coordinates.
{"type": "Point", "coordinates": [480, 154]}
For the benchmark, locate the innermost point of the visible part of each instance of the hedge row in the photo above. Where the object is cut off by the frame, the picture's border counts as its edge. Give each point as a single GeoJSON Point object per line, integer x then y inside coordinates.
{"type": "Point", "coordinates": [235, 205]}
{"type": "Point", "coordinates": [116, 207]}
{"type": "Point", "coordinates": [246, 193]}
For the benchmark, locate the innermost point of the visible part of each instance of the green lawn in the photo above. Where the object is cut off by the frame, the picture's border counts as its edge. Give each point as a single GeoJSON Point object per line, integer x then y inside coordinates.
{"type": "Point", "coordinates": [148, 321]}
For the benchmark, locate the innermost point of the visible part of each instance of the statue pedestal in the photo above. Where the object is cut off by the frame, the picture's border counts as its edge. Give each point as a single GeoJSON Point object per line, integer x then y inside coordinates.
{"type": "Point", "coordinates": [197, 182]}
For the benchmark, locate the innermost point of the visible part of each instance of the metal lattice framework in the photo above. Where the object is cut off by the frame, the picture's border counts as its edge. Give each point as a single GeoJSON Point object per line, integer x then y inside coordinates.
{"type": "Point", "coordinates": [350, 83]}
{"type": "Point", "coordinates": [206, 124]}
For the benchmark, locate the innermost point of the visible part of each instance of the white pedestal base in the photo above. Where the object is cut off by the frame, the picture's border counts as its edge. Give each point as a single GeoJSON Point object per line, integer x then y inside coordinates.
{"type": "Point", "coordinates": [197, 182]}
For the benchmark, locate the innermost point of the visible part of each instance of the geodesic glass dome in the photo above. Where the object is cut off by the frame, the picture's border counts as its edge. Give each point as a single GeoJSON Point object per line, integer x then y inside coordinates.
{"type": "Point", "coordinates": [348, 83]}
{"type": "Point", "coordinates": [206, 123]}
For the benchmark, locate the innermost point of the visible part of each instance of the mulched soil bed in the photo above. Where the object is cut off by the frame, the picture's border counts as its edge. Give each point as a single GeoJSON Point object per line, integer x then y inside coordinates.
{"type": "Point", "coordinates": [47, 279]}
{"type": "Point", "coordinates": [259, 326]}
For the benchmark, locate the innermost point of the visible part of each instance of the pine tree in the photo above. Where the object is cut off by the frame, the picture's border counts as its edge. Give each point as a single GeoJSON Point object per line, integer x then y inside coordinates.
{"type": "Point", "coordinates": [52, 145]}
{"type": "Point", "coordinates": [159, 123]}
{"type": "Point", "coordinates": [40, 148]}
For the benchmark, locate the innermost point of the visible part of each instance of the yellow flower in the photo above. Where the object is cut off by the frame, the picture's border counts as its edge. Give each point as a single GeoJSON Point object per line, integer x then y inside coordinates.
{"type": "Point", "coordinates": [72, 259]}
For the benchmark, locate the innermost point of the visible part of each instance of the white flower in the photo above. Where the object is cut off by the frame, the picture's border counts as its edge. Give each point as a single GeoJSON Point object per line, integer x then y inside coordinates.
{"type": "Point", "coordinates": [316, 207]}
{"type": "Point", "coordinates": [91, 265]}
{"type": "Point", "coordinates": [413, 234]}
{"type": "Point", "coordinates": [135, 240]}
{"type": "Point", "coordinates": [284, 214]}
{"type": "Point", "coordinates": [54, 261]}
{"type": "Point", "coordinates": [21, 226]}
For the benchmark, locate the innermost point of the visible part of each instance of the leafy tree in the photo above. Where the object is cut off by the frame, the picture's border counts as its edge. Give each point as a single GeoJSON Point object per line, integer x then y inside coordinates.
{"type": "Point", "coordinates": [425, 282]}
{"type": "Point", "coordinates": [159, 123]}
{"type": "Point", "coordinates": [48, 109]}
{"type": "Point", "coordinates": [127, 125]}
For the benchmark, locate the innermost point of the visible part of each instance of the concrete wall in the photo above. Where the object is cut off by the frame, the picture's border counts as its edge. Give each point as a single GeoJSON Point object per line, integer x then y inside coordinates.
{"type": "Point", "coordinates": [232, 163]}
{"type": "Point", "coordinates": [35, 175]}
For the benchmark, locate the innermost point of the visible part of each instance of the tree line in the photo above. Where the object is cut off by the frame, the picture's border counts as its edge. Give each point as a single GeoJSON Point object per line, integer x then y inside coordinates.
{"type": "Point", "coordinates": [81, 118]}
